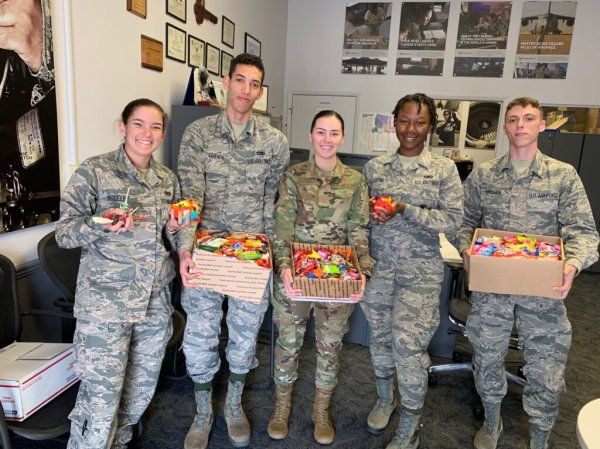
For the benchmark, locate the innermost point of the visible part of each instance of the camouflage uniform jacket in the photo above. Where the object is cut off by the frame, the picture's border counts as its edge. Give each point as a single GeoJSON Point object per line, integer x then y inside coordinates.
{"type": "Point", "coordinates": [235, 182]}
{"type": "Point", "coordinates": [330, 209]}
{"type": "Point", "coordinates": [118, 271]}
{"type": "Point", "coordinates": [549, 199]}
{"type": "Point", "coordinates": [432, 191]}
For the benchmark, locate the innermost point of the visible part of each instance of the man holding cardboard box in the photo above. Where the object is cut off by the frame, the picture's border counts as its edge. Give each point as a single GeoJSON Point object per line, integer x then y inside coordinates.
{"type": "Point", "coordinates": [525, 191]}
{"type": "Point", "coordinates": [231, 164]}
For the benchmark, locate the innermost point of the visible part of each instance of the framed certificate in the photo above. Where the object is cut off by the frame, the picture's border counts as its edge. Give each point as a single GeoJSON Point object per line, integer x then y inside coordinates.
{"type": "Point", "coordinates": [175, 43]}
{"type": "Point", "coordinates": [212, 59]}
{"type": "Point", "coordinates": [225, 62]}
{"type": "Point", "coordinates": [252, 45]}
{"type": "Point", "coordinates": [177, 9]}
{"type": "Point", "coordinates": [196, 51]}
{"type": "Point", "coordinates": [228, 32]}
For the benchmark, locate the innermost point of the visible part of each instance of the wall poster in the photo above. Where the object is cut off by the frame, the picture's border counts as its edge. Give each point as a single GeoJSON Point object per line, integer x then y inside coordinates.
{"type": "Point", "coordinates": [366, 38]}
{"type": "Point", "coordinates": [29, 170]}
{"type": "Point", "coordinates": [422, 38]}
{"type": "Point", "coordinates": [545, 40]}
{"type": "Point", "coordinates": [481, 41]}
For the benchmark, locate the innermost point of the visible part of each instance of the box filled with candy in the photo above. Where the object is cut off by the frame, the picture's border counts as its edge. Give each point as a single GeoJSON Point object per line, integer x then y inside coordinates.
{"type": "Point", "coordinates": [325, 272]}
{"type": "Point", "coordinates": [233, 263]}
{"type": "Point", "coordinates": [515, 264]}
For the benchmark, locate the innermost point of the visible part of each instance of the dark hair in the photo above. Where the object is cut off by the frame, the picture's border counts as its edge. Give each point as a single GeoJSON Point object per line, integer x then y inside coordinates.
{"type": "Point", "coordinates": [421, 100]}
{"type": "Point", "coordinates": [247, 59]}
{"type": "Point", "coordinates": [524, 102]}
{"type": "Point", "coordinates": [140, 102]}
{"type": "Point", "coordinates": [326, 113]}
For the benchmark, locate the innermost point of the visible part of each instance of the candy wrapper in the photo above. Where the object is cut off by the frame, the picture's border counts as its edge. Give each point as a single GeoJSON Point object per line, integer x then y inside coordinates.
{"type": "Point", "coordinates": [325, 272]}
{"type": "Point", "coordinates": [382, 203]}
{"type": "Point", "coordinates": [187, 209]}
{"type": "Point", "coordinates": [511, 245]}
{"type": "Point", "coordinates": [237, 264]}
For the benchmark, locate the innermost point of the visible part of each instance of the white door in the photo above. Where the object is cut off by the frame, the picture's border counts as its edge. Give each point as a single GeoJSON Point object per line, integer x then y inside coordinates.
{"type": "Point", "coordinates": [303, 108]}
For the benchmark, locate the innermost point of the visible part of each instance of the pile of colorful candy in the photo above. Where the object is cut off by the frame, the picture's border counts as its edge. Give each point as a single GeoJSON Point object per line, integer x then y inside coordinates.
{"type": "Point", "coordinates": [325, 264]}
{"type": "Point", "coordinates": [515, 246]}
{"type": "Point", "coordinates": [381, 204]}
{"type": "Point", "coordinates": [186, 208]}
{"type": "Point", "coordinates": [242, 246]}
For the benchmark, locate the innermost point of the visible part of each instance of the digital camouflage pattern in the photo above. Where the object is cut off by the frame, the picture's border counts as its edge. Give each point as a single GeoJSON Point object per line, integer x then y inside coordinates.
{"type": "Point", "coordinates": [235, 182]}
{"type": "Point", "coordinates": [330, 209]}
{"type": "Point", "coordinates": [119, 365]}
{"type": "Point", "coordinates": [122, 302]}
{"type": "Point", "coordinates": [118, 271]}
{"type": "Point", "coordinates": [402, 298]}
{"type": "Point", "coordinates": [547, 199]}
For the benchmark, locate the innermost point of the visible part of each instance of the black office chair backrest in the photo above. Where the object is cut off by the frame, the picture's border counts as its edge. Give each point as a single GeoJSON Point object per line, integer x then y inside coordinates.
{"type": "Point", "coordinates": [60, 264]}
{"type": "Point", "coordinates": [10, 320]}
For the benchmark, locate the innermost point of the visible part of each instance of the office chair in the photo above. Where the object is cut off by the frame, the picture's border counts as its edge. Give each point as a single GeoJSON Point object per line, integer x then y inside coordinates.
{"type": "Point", "coordinates": [51, 421]}
{"type": "Point", "coordinates": [458, 312]}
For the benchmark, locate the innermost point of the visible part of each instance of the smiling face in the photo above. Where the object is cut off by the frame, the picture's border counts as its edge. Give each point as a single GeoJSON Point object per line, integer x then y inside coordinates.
{"type": "Point", "coordinates": [522, 126]}
{"type": "Point", "coordinates": [413, 124]}
{"type": "Point", "coordinates": [326, 137]}
{"type": "Point", "coordinates": [244, 87]}
{"type": "Point", "coordinates": [142, 134]}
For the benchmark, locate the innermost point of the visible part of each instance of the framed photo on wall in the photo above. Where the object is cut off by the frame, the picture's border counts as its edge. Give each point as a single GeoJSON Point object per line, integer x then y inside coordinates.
{"type": "Point", "coordinates": [225, 62]}
{"type": "Point", "coordinates": [212, 59]}
{"type": "Point", "coordinates": [177, 9]}
{"type": "Point", "coordinates": [175, 43]}
{"type": "Point", "coordinates": [196, 51]}
{"type": "Point", "coordinates": [228, 32]}
{"type": "Point", "coordinates": [252, 45]}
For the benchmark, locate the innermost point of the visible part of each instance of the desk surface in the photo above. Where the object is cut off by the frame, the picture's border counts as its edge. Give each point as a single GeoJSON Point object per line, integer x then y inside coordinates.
{"type": "Point", "coordinates": [588, 432]}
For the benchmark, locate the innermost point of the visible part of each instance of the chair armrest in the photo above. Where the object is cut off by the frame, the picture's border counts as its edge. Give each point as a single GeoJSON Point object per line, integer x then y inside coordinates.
{"type": "Point", "coordinates": [48, 313]}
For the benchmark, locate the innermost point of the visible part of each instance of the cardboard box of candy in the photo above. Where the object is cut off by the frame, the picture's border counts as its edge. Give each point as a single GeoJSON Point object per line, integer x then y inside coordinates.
{"type": "Point", "coordinates": [233, 263]}
{"type": "Point", "coordinates": [321, 280]}
{"type": "Point", "coordinates": [532, 269]}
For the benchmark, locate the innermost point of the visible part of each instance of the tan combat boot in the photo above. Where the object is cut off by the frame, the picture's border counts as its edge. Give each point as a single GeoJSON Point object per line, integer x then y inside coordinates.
{"type": "Point", "coordinates": [278, 424]}
{"type": "Point", "coordinates": [197, 436]}
{"type": "Point", "coordinates": [407, 433]}
{"type": "Point", "coordinates": [238, 427]}
{"type": "Point", "coordinates": [324, 431]}
{"type": "Point", "coordinates": [488, 435]}
{"type": "Point", "coordinates": [379, 417]}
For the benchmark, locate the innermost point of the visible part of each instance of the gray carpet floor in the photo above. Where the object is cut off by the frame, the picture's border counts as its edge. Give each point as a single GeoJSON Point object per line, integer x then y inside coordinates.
{"type": "Point", "coordinates": [448, 420]}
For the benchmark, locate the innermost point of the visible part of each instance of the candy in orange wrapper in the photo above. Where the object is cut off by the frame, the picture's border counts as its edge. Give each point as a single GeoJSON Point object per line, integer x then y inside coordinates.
{"type": "Point", "coordinates": [185, 209]}
{"type": "Point", "coordinates": [382, 203]}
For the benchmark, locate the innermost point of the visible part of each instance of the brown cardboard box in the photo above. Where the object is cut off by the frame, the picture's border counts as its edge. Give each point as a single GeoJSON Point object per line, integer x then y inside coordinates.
{"type": "Point", "coordinates": [329, 290]}
{"type": "Point", "coordinates": [239, 278]}
{"type": "Point", "coordinates": [514, 276]}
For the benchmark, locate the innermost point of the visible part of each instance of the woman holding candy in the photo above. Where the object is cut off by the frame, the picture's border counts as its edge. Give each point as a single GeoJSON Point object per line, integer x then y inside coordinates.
{"type": "Point", "coordinates": [415, 195]}
{"type": "Point", "coordinates": [320, 201]}
{"type": "Point", "coordinates": [116, 208]}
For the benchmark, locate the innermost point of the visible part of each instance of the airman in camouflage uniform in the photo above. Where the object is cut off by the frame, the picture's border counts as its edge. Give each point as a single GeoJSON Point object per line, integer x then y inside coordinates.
{"type": "Point", "coordinates": [231, 163]}
{"type": "Point", "coordinates": [402, 298]}
{"type": "Point", "coordinates": [528, 192]}
{"type": "Point", "coordinates": [320, 201]}
{"type": "Point", "coordinates": [123, 301]}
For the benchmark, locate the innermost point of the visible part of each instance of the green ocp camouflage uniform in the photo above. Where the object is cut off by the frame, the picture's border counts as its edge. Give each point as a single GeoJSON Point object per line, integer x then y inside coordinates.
{"type": "Point", "coordinates": [548, 199]}
{"type": "Point", "coordinates": [235, 181]}
{"type": "Point", "coordinates": [402, 298]}
{"type": "Point", "coordinates": [123, 302]}
{"type": "Point", "coordinates": [314, 207]}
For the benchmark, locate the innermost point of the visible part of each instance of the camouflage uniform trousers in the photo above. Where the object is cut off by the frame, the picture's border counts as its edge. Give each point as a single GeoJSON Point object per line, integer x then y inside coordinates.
{"type": "Point", "coordinates": [204, 310]}
{"type": "Point", "coordinates": [545, 335]}
{"type": "Point", "coordinates": [331, 323]}
{"type": "Point", "coordinates": [403, 313]}
{"type": "Point", "coordinates": [119, 365]}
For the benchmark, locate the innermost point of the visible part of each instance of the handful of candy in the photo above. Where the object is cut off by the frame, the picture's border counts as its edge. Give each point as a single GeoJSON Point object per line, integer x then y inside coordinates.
{"type": "Point", "coordinates": [325, 264]}
{"type": "Point", "coordinates": [185, 209]}
{"type": "Point", "coordinates": [242, 246]}
{"type": "Point", "coordinates": [111, 218]}
{"type": "Point", "coordinates": [381, 204]}
{"type": "Point", "coordinates": [517, 246]}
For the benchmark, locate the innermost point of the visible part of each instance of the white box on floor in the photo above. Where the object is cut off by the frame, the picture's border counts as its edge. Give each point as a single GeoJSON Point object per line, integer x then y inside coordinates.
{"type": "Point", "coordinates": [32, 374]}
